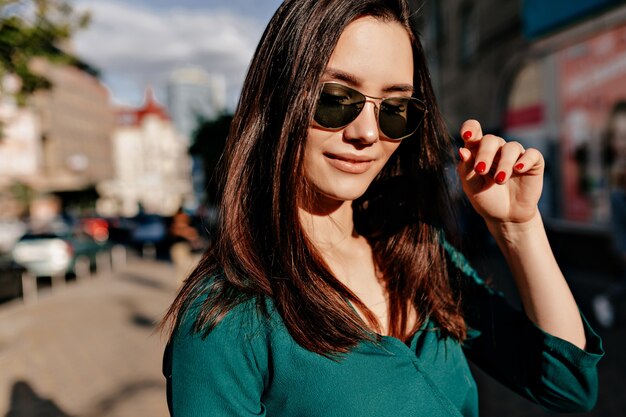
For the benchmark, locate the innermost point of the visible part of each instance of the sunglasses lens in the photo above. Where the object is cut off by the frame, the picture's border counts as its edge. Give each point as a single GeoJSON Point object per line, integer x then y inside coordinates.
{"type": "Point", "coordinates": [338, 105]}
{"type": "Point", "coordinates": [400, 117]}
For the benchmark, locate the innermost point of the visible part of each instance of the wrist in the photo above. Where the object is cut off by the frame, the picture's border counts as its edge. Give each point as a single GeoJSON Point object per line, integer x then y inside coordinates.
{"type": "Point", "coordinates": [509, 232]}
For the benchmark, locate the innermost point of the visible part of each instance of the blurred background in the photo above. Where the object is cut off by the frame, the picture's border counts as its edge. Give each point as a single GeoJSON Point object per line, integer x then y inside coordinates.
{"type": "Point", "coordinates": [113, 115]}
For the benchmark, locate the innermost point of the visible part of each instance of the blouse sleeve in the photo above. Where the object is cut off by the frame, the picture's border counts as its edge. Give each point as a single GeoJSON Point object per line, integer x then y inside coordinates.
{"type": "Point", "coordinates": [503, 342]}
{"type": "Point", "coordinates": [222, 374]}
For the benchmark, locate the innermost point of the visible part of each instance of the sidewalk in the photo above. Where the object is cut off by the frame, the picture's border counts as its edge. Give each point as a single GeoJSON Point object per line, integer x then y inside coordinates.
{"type": "Point", "coordinates": [88, 349]}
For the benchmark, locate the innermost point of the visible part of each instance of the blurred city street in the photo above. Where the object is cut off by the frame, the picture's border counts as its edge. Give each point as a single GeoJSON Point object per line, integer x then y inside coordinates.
{"type": "Point", "coordinates": [90, 349]}
{"type": "Point", "coordinates": [114, 117]}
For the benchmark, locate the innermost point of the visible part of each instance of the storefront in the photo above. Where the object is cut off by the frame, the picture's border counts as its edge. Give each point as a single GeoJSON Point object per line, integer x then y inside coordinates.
{"type": "Point", "coordinates": [569, 101]}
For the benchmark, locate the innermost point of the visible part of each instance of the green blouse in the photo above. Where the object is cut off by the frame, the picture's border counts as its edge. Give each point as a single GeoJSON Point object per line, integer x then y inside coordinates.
{"type": "Point", "coordinates": [249, 365]}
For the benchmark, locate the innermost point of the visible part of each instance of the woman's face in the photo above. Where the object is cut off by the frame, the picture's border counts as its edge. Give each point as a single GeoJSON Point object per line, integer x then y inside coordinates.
{"type": "Point", "coordinates": [375, 58]}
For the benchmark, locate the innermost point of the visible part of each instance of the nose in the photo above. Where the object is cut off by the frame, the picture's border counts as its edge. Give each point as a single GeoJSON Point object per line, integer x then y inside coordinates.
{"type": "Point", "coordinates": [365, 127]}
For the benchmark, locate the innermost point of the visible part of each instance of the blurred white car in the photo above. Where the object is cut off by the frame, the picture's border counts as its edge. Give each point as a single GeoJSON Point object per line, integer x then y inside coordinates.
{"type": "Point", "coordinates": [43, 255]}
{"type": "Point", "coordinates": [49, 254]}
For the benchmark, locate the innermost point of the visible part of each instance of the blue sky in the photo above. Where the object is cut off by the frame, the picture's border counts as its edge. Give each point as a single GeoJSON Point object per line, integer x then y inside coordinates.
{"type": "Point", "coordinates": [136, 43]}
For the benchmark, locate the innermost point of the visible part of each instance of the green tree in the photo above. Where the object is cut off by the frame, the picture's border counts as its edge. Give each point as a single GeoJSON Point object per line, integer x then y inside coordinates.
{"type": "Point", "coordinates": [209, 141]}
{"type": "Point", "coordinates": [35, 28]}
{"type": "Point", "coordinates": [22, 194]}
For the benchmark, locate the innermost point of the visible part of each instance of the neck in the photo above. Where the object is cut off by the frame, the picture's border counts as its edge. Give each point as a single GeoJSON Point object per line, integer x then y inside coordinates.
{"type": "Point", "coordinates": [328, 225]}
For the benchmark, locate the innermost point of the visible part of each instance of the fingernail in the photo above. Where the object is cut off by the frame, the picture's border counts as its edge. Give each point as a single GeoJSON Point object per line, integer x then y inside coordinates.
{"type": "Point", "coordinates": [480, 167]}
{"type": "Point", "coordinates": [519, 167]}
{"type": "Point", "coordinates": [461, 155]}
{"type": "Point", "coordinates": [501, 177]}
{"type": "Point", "coordinates": [467, 134]}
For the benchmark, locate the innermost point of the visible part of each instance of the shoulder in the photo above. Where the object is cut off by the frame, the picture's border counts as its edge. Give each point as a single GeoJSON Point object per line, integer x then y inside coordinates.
{"type": "Point", "coordinates": [244, 319]}
{"type": "Point", "coordinates": [222, 369]}
{"type": "Point", "coordinates": [238, 342]}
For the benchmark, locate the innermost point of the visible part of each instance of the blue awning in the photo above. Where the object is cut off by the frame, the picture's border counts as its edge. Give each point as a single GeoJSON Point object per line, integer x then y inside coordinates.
{"type": "Point", "coordinates": [543, 16]}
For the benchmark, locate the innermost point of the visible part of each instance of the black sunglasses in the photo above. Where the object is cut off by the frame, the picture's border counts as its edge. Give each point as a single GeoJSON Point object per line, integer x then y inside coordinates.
{"type": "Point", "coordinates": [339, 105]}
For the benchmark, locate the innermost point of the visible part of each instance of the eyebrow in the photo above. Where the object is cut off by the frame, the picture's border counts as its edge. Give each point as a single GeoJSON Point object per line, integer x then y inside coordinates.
{"type": "Point", "coordinates": [351, 79]}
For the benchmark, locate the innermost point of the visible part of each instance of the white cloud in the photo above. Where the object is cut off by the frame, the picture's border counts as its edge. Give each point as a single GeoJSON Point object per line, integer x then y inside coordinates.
{"type": "Point", "coordinates": [135, 45]}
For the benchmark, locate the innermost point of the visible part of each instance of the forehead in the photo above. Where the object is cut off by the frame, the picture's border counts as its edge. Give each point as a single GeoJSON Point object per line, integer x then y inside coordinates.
{"type": "Point", "coordinates": [374, 51]}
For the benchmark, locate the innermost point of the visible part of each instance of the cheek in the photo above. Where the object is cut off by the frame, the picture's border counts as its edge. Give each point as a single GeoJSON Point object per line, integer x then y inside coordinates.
{"type": "Point", "coordinates": [389, 148]}
{"type": "Point", "coordinates": [312, 148]}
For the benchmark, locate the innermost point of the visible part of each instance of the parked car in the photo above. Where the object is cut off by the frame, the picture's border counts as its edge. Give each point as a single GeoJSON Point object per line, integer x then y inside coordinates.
{"type": "Point", "coordinates": [148, 235]}
{"type": "Point", "coordinates": [96, 227]}
{"type": "Point", "coordinates": [61, 252]}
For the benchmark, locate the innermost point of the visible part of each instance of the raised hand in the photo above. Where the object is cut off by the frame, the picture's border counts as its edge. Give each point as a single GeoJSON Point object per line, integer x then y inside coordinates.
{"type": "Point", "coordinates": [502, 180]}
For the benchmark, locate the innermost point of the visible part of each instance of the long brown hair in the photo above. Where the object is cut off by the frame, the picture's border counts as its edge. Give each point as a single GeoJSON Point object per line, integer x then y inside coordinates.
{"type": "Point", "coordinates": [261, 250]}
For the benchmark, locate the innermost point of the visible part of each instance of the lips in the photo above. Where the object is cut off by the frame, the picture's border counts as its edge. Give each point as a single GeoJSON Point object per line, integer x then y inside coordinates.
{"type": "Point", "coordinates": [349, 163]}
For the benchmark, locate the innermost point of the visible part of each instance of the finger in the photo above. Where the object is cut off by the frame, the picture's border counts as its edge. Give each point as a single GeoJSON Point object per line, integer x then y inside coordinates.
{"type": "Point", "coordinates": [471, 132]}
{"type": "Point", "coordinates": [509, 156]}
{"type": "Point", "coordinates": [530, 162]}
{"type": "Point", "coordinates": [466, 161]}
{"type": "Point", "coordinates": [488, 147]}
{"type": "Point", "coordinates": [465, 168]}
{"type": "Point", "coordinates": [465, 154]}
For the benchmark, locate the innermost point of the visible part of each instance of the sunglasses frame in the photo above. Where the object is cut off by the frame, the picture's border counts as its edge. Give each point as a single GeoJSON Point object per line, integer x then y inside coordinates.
{"type": "Point", "coordinates": [419, 103]}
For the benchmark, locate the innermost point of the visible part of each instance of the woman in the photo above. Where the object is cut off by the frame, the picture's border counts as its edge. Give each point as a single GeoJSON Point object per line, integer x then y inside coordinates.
{"type": "Point", "coordinates": [332, 290]}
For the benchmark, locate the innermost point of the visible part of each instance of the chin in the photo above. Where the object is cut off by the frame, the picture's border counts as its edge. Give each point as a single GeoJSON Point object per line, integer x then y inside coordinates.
{"type": "Point", "coordinates": [345, 192]}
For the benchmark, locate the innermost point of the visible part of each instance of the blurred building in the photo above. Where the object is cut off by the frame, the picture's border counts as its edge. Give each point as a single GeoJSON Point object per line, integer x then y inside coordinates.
{"type": "Point", "coordinates": [20, 150]}
{"type": "Point", "coordinates": [473, 48]}
{"type": "Point", "coordinates": [152, 165]}
{"type": "Point", "coordinates": [60, 142]}
{"type": "Point", "coordinates": [546, 73]}
{"type": "Point", "coordinates": [77, 121]}
{"type": "Point", "coordinates": [20, 153]}
{"type": "Point", "coordinates": [194, 96]}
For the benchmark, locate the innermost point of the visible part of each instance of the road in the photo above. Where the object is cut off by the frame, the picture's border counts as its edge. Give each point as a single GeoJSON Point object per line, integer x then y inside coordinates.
{"type": "Point", "coordinates": [90, 349]}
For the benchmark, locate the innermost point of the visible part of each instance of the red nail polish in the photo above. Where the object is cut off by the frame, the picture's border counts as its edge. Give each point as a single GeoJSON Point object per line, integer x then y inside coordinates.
{"type": "Point", "coordinates": [467, 134]}
{"type": "Point", "coordinates": [480, 167]}
{"type": "Point", "coordinates": [519, 167]}
{"type": "Point", "coordinates": [500, 177]}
